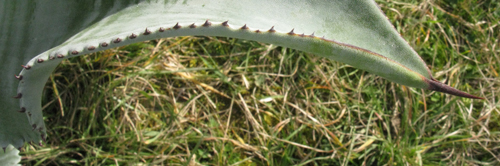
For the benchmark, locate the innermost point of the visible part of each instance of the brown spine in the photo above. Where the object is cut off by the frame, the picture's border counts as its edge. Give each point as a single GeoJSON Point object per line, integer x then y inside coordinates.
{"type": "Point", "coordinates": [440, 87]}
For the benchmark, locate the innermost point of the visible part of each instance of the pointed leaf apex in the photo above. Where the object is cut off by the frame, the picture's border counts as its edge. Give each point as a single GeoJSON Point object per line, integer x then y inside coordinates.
{"type": "Point", "coordinates": [440, 87]}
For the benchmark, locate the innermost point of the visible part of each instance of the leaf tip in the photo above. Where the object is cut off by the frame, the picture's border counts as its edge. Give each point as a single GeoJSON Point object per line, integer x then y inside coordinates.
{"type": "Point", "coordinates": [440, 87]}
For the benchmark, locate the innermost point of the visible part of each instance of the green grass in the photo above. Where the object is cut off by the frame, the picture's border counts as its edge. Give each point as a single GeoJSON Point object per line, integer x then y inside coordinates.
{"type": "Point", "coordinates": [220, 101]}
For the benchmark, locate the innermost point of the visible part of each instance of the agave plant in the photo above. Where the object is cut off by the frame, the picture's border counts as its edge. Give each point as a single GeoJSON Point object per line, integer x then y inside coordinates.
{"type": "Point", "coordinates": [38, 34]}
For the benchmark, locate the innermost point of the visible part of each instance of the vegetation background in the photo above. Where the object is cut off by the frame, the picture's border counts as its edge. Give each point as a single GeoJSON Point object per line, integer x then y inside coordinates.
{"type": "Point", "coordinates": [222, 101]}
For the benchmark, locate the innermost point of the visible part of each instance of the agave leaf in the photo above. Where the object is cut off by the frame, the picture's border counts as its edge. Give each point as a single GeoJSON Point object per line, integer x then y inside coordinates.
{"type": "Point", "coordinates": [39, 34]}
{"type": "Point", "coordinates": [27, 29]}
{"type": "Point", "coordinates": [9, 156]}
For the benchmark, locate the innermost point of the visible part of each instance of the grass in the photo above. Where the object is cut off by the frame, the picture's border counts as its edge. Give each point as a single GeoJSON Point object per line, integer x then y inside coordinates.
{"type": "Point", "coordinates": [221, 101]}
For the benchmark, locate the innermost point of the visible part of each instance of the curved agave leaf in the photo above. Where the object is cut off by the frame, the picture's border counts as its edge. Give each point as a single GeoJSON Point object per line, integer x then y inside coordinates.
{"type": "Point", "coordinates": [353, 32]}
{"type": "Point", "coordinates": [27, 29]}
